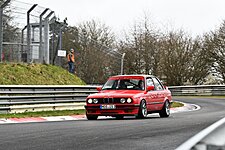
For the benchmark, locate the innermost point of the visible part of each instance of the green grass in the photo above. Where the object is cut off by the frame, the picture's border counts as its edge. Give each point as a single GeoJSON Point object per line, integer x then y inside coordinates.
{"type": "Point", "coordinates": [57, 113]}
{"type": "Point", "coordinates": [176, 104]}
{"type": "Point", "coordinates": [36, 74]}
{"type": "Point", "coordinates": [44, 114]}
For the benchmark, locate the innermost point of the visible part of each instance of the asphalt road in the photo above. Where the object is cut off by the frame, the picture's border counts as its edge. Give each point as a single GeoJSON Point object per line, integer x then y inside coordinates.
{"type": "Point", "coordinates": [153, 133]}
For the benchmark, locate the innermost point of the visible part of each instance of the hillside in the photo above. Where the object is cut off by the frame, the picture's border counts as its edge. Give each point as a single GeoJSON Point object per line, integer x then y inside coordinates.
{"type": "Point", "coordinates": [36, 74]}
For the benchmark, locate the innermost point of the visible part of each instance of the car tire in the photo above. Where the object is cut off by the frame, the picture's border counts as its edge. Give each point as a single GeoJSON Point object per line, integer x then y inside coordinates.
{"type": "Point", "coordinates": [90, 117]}
{"type": "Point", "coordinates": [119, 117]}
{"type": "Point", "coordinates": [165, 112]}
{"type": "Point", "coordinates": [143, 112]}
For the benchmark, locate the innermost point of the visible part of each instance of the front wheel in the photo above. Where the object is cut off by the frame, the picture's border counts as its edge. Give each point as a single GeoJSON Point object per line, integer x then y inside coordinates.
{"type": "Point", "coordinates": [90, 117]}
{"type": "Point", "coordinates": [165, 112]}
{"type": "Point", "coordinates": [143, 112]}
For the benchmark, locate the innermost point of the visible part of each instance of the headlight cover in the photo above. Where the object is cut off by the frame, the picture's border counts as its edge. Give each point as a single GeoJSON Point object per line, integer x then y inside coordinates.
{"type": "Point", "coordinates": [95, 101]}
{"type": "Point", "coordinates": [90, 101]}
{"type": "Point", "coordinates": [129, 100]}
{"type": "Point", "coordinates": [122, 100]}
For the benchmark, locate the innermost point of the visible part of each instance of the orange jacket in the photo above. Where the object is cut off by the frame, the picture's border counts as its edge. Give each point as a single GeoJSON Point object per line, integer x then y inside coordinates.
{"type": "Point", "coordinates": [70, 57]}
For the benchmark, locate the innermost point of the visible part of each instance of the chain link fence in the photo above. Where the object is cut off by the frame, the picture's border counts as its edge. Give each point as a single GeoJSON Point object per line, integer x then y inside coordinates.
{"type": "Point", "coordinates": [32, 34]}
{"type": "Point", "coordinates": [25, 32]}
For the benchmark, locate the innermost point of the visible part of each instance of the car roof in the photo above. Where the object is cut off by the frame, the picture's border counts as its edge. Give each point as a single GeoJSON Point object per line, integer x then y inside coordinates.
{"type": "Point", "coordinates": [133, 75]}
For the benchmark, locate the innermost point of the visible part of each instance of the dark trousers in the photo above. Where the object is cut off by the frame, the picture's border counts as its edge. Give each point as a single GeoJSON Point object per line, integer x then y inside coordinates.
{"type": "Point", "coordinates": [71, 67]}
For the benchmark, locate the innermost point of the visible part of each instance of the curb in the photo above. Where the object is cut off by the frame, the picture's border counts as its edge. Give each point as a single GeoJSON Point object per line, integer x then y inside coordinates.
{"type": "Point", "coordinates": [187, 107]}
{"type": "Point", "coordinates": [42, 119]}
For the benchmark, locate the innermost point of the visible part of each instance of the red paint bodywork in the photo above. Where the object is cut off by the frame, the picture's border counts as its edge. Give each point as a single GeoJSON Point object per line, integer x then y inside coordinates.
{"type": "Point", "coordinates": [155, 99]}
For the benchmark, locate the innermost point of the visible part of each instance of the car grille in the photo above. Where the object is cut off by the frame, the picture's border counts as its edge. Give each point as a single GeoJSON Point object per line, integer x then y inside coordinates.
{"type": "Point", "coordinates": [109, 100]}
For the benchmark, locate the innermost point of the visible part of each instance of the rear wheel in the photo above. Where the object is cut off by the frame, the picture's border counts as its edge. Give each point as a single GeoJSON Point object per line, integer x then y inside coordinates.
{"type": "Point", "coordinates": [90, 117]}
{"type": "Point", "coordinates": [165, 112]}
{"type": "Point", "coordinates": [143, 112]}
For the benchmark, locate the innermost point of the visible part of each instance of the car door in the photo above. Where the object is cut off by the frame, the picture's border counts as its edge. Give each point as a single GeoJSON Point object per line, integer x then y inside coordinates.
{"type": "Point", "coordinates": [159, 89]}
{"type": "Point", "coordinates": [151, 96]}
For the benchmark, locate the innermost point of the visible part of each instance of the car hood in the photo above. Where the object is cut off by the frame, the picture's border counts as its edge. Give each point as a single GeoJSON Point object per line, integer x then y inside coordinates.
{"type": "Point", "coordinates": [116, 93]}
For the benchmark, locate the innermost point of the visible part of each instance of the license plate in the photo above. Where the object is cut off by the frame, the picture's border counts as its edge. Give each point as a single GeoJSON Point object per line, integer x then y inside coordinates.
{"type": "Point", "coordinates": [107, 106]}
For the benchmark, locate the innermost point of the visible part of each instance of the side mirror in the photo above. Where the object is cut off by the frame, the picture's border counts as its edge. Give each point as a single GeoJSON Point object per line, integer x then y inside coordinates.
{"type": "Point", "coordinates": [165, 87]}
{"type": "Point", "coordinates": [150, 88]}
{"type": "Point", "coordinates": [99, 88]}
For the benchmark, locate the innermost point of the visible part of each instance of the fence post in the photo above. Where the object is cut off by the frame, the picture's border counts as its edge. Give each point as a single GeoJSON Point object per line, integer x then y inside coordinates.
{"type": "Point", "coordinates": [122, 61]}
{"type": "Point", "coordinates": [1, 26]}
{"type": "Point", "coordinates": [29, 50]}
{"type": "Point", "coordinates": [22, 45]}
{"type": "Point", "coordinates": [40, 37]}
{"type": "Point", "coordinates": [1, 33]}
{"type": "Point", "coordinates": [46, 37]}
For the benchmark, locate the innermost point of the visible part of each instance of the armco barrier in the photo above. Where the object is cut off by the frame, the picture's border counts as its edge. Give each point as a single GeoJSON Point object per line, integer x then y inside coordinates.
{"type": "Point", "coordinates": [199, 90]}
{"type": "Point", "coordinates": [211, 138]}
{"type": "Point", "coordinates": [20, 98]}
{"type": "Point", "coordinates": [17, 98]}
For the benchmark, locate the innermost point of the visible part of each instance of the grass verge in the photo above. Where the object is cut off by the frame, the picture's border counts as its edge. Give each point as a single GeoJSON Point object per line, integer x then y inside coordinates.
{"type": "Point", "coordinates": [57, 113]}
{"type": "Point", "coordinates": [177, 104]}
{"type": "Point", "coordinates": [36, 74]}
{"type": "Point", "coordinates": [44, 114]}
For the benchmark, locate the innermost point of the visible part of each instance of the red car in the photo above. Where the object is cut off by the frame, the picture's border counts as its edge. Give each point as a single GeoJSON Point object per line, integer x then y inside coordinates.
{"type": "Point", "coordinates": [129, 95]}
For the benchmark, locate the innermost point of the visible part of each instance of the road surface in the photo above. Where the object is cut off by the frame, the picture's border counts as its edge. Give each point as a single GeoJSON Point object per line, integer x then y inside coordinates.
{"type": "Point", "coordinates": [153, 133]}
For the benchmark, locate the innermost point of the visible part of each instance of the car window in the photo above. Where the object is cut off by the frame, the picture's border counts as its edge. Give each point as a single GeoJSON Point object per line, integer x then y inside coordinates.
{"type": "Point", "coordinates": [149, 82]}
{"type": "Point", "coordinates": [110, 84]}
{"type": "Point", "coordinates": [122, 84]}
{"type": "Point", "coordinates": [157, 84]}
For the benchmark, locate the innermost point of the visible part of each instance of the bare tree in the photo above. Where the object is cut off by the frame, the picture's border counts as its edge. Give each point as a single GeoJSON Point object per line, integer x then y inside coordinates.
{"type": "Point", "coordinates": [176, 55]}
{"type": "Point", "coordinates": [201, 63]}
{"type": "Point", "coordinates": [142, 50]}
{"type": "Point", "coordinates": [10, 33]}
{"type": "Point", "coordinates": [93, 43]}
{"type": "Point", "coordinates": [216, 47]}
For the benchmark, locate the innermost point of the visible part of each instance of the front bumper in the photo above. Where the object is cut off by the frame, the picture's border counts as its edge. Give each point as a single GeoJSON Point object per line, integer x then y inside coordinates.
{"type": "Point", "coordinates": [121, 109]}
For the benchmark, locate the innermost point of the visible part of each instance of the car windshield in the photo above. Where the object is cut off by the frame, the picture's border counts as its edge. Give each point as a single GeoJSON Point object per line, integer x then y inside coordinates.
{"type": "Point", "coordinates": [124, 84]}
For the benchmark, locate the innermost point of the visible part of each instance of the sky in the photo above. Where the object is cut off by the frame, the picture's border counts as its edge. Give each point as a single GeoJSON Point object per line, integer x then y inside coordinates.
{"type": "Point", "coordinates": [193, 16]}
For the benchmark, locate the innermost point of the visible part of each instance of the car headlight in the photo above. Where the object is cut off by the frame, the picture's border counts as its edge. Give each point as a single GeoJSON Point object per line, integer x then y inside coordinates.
{"type": "Point", "coordinates": [95, 101]}
{"type": "Point", "coordinates": [122, 100]}
{"type": "Point", "coordinates": [129, 100]}
{"type": "Point", "coordinates": [90, 101]}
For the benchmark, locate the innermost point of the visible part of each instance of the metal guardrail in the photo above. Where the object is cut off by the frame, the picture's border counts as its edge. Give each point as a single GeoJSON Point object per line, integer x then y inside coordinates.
{"type": "Point", "coordinates": [211, 138]}
{"type": "Point", "coordinates": [20, 98]}
{"type": "Point", "coordinates": [14, 97]}
{"type": "Point", "coordinates": [199, 90]}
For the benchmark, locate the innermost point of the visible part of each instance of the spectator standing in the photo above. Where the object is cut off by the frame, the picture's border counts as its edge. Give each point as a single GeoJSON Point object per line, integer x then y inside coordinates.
{"type": "Point", "coordinates": [71, 60]}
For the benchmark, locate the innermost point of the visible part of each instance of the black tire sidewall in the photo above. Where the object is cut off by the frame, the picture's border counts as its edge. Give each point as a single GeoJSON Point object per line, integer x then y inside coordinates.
{"type": "Point", "coordinates": [140, 113]}
{"type": "Point", "coordinates": [163, 113]}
